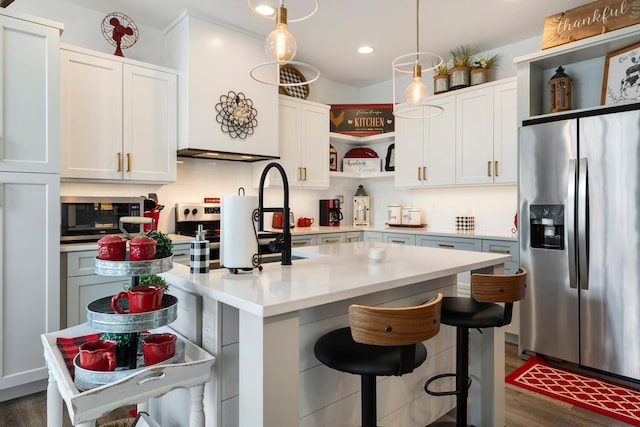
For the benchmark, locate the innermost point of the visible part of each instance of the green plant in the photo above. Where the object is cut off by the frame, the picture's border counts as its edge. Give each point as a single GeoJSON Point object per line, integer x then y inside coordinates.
{"type": "Point", "coordinates": [120, 339]}
{"type": "Point", "coordinates": [486, 62]}
{"type": "Point", "coordinates": [461, 56]}
{"type": "Point", "coordinates": [153, 279]}
{"type": "Point", "coordinates": [441, 70]}
{"type": "Point", "coordinates": [164, 245]}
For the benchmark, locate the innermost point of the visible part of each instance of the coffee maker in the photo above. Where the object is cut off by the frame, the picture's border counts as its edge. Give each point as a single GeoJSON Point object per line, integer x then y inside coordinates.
{"type": "Point", "coordinates": [330, 214]}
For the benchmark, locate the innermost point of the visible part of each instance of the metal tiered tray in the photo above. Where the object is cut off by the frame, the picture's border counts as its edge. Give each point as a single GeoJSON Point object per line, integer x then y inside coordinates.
{"type": "Point", "coordinates": [86, 379]}
{"type": "Point", "coordinates": [102, 317]}
{"type": "Point", "coordinates": [132, 268]}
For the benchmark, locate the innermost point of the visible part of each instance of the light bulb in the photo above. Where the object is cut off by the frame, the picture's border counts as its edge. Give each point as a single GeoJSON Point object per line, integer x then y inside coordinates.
{"type": "Point", "coordinates": [416, 91]}
{"type": "Point", "coordinates": [280, 45]}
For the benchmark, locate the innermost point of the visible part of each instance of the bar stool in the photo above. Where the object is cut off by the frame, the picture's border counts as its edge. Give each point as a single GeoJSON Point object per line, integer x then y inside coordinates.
{"type": "Point", "coordinates": [380, 341]}
{"type": "Point", "coordinates": [480, 311]}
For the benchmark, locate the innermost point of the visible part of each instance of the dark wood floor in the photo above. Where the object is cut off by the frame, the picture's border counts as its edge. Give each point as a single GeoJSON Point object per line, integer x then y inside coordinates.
{"type": "Point", "coordinates": [524, 408]}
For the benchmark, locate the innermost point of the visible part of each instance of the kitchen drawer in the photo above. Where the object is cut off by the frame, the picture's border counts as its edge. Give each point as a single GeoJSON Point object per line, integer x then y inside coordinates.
{"type": "Point", "coordinates": [502, 247]}
{"type": "Point", "coordinates": [81, 263]}
{"type": "Point", "coordinates": [372, 236]}
{"type": "Point", "coordinates": [399, 238]}
{"type": "Point", "coordinates": [330, 238]}
{"type": "Point", "coordinates": [303, 240]}
{"type": "Point", "coordinates": [353, 236]}
{"type": "Point", "coordinates": [450, 243]}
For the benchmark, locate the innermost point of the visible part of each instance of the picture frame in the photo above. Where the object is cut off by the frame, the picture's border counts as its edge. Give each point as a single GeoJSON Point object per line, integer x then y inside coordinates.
{"type": "Point", "coordinates": [621, 79]}
{"type": "Point", "coordinates": [390, 160]}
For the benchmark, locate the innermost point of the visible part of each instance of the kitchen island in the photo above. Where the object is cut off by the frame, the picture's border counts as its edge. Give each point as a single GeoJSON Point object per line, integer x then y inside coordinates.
{"type": "Point", "coordinates": [282, 310]}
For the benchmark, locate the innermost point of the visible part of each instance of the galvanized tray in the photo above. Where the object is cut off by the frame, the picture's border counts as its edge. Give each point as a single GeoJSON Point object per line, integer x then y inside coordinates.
{"type": "Point", "coordinates": [101, 317]}
{"type": "Point", "coordinates": [86, 379]}
{"type": "Point", "coordinates": [133, 268]}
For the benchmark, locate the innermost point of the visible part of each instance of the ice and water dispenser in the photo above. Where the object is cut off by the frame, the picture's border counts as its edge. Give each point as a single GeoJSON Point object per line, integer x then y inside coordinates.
{"type": "Point", "coordinates": [547, 226]}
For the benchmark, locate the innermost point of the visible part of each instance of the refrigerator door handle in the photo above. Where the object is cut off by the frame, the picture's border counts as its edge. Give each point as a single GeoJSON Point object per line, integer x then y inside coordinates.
{"type": "Point", "coordinates": [571, 224]}
{"type": "Point", "coordinates": [583, 223]}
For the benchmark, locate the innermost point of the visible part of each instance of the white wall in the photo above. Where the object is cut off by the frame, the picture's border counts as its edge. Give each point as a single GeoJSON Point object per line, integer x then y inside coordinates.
{"type": "Point", "coordinates": [493, 207]}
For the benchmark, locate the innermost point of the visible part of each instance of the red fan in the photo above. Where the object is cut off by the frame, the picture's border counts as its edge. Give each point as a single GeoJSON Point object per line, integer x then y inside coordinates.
{"type": "Point", "coordinates": [120, 31]}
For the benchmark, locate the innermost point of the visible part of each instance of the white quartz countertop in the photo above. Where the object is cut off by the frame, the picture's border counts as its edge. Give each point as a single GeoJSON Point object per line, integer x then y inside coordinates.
{"type": "Point", "coordinates": [330, 273]}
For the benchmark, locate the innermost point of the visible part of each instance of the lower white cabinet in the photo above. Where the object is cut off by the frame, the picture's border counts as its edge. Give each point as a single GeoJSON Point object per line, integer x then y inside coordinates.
{"type": "Point", "coordinates": [353, 236]}
{"type": "Point", "coordinates": [30, 276]}
{"type": "Point", "coordinates": [372, 236]}
{"type": "Point", "coordinates": [303, 240]}
{"type": "Point", "coordinates": [399, 238]}
{"type": "Point", "coordinates": [330, 238]}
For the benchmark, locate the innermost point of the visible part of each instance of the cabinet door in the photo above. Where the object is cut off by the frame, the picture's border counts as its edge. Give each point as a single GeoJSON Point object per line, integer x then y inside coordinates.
{"type": "Point", "coordinates": [450, 243]}
{"type": "Point", "coordinates": [314, 146]}
{"type": "Point", "coordinates": [303, 240]}
{"type": "Point", "coordinates": [353, 236]}
{"type": "Point", "coordinates": [409, 151]}
{"type": "Point", "coordinates": [30, 271]}
{"type": "Point", "coordinates": [330, 238]}
{"type": "Point", "coordinates": [372, 236]}
{"type": "Point", "coordinates": [440, 148]}
{"type": "Point", "coordinates": [29, 96]}
{"type": "Point", "coordinates": [82, 290]}
{"type": "Point", "coordinates": [505, 138]}
{"type": "Point", "coordinates": [399, 238]}
{"type": "Point", "coordinates": [289, 131]}
{"type": "Point", "coordinates": [150, 121]}
{"type": "Point", "coordinates": [474, 137]}
{"type": "Point", "coordinates": [90, 116]}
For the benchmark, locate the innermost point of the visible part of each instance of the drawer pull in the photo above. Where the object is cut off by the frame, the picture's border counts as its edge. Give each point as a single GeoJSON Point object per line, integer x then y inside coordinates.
{"type": "Point", "coordinates": [446, 245]}
{"type": "Point", "coordinates": [489, 168]}
{"type": "Point", "coordinates": [424, 173]}
{"type": "Point", "coordinates": [500, 251]}
{"type": "Point", "coordinates": [397, 241]}
{"type": "Point", "coordinates": [332, 240]}
{"type": "Point", "coordinates": [179, 255]}
{"type": "Point", "coordinates": [299, 243]}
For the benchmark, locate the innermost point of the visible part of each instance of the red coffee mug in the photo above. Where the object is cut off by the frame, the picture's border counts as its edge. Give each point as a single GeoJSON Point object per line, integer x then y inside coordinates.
{"type": "Point", "coordinates": [141, 299]}
{"type": "Point", "coordinates": [157, 348]}
{"type": "Point", "coordinates": [142, 248]}
{"type": "Point", "coordinates": [305, 222]}
{"type": "Point", "coordinates": [98, 355]}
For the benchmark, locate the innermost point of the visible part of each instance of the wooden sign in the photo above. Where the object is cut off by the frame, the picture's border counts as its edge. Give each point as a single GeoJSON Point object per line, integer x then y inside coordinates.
{"type": "Point", "coordinates": [588, 20]}
{"type": "Point", "coordinates": [361, 119]}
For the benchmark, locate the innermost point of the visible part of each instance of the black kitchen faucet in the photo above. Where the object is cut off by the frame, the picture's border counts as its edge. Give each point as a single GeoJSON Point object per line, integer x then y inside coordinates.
{"type": "Point", "coordinates": [283, 241]}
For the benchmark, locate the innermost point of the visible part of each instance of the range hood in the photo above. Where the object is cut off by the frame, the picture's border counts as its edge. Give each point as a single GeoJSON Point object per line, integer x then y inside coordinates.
{"type": "Point", "coordinates": [222, 155]}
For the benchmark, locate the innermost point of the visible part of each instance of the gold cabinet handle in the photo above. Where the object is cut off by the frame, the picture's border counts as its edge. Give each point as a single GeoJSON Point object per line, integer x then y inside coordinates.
{"type": "Point", "coordinates": [419, 173]}
{"type": "Point", "coordinates": [299, 176]}
{"type": "Point", "coordinates": [424, 173]}
{"type": "Point", "coordinates": [495, 168]}
{"type": "Point", "coordinates": [299, 243]}
{"type": "Point", "coordinates": [500, 251]}
{"type": "Point", "coordinates": [398, 241]}
{"type": "Point", "coordinates": [332, 241]}
{"type": "Point", "coordinates": [489, 168]}
{"type": "Point", "coordinates": [128, 162]}
{"type": "Point", "coordinates": [305, 173]}
{"type": "Point", "coordinates": [446, 245]}
{"type": "Point", "coordinates": [119, 162]}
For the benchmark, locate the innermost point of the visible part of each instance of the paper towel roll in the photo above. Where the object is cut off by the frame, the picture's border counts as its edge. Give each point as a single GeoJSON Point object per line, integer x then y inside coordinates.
{"type": "Point", "coordinates": [238, 242]}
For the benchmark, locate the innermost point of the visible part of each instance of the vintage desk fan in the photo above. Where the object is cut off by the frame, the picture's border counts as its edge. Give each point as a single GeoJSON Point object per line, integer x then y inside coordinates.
{"type": "Point", "coordinates": [120, 31]}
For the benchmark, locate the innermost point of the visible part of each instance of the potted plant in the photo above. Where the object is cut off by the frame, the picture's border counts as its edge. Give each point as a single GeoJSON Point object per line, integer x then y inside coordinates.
{"type": "Point", "coordinates": [441, 79]}
{"type": "Point", "coordinates": [122, 347]}
{"type": "Point", "coordinates": [150, 279]}
{"type": "Point", "coordinates": [480, 68]}
{"type": "Point", "coordinates": [164, 245]}
{"type": "Point", "coordinates": [459, 75]}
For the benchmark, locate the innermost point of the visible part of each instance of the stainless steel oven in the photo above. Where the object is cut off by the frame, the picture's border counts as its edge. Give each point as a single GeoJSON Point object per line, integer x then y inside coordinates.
{"type": "Point", "coordinates": [86, 219]}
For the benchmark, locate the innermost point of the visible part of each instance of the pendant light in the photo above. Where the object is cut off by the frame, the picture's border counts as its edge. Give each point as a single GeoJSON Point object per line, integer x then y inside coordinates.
{"type": "Point", "coordinates": [416, 93]}
{"type": "Point", "coordinates": [280, 47]}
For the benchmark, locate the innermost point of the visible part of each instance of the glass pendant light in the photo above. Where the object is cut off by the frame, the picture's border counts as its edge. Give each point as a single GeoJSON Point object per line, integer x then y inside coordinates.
{"type": "Point", "coordinates": [280, 44]}
{"type": "Point", "coordinates": [416, 92]}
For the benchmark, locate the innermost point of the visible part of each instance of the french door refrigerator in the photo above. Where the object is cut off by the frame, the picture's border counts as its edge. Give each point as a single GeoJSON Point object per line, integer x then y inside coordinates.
{"type": "Point", "coordinates": [579, 214]}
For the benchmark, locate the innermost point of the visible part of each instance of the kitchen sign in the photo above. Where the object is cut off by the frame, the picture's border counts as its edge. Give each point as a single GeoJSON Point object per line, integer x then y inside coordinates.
{"type": "Point", "coordinates": [361, 119]}
{"type": "Point", "coordinates": [588, 20]}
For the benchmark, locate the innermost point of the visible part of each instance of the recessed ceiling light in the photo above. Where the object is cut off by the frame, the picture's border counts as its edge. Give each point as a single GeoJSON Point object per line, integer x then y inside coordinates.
{"type": "Point", "coordinates": [365, 49]}
{"type": "Point", "coordinates": [265, 9]}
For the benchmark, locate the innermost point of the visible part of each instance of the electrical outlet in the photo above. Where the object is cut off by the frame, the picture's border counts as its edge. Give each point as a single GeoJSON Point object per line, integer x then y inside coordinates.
{"type": "Point", "coordinates": [341, 198]}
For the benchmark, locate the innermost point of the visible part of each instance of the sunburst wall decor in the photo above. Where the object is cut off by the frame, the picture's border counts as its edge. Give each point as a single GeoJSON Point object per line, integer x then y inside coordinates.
{"type": "Point", "coordinates": [236, 115]}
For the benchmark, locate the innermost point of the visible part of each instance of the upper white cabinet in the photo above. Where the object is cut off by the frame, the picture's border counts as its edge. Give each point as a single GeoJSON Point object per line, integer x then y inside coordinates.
{"type": "Point", "coordinates": [583, 60]}
{"type": "Point", "coordinates": [486, 134]}
{"type": "Point", "coordinates": [425, 148]}
{"type": "Point", "coordinates": [213, 61]}
{"type": "Point", "coordinates": [29, 107]}
{"type": "Point", "coordinates": [118, 118]}
{"type": "Point", "coordinates": [304, 143]}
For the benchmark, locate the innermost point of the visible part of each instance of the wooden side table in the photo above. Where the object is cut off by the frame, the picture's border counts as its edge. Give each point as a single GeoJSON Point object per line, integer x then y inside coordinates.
{"type": "Point", "coordinates": [85, 407]}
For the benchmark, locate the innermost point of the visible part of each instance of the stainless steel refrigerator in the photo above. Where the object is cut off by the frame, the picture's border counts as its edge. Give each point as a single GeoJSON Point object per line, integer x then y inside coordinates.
{"type": "Point", "coordinates": [579, 215]}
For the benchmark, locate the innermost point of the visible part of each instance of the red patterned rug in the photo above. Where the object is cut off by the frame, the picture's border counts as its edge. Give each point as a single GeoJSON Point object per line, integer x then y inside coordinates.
{"type": "Point", "coordinates": [609, 399]}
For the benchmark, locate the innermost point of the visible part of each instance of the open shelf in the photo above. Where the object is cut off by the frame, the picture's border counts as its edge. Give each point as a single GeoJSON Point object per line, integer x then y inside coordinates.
{"type": "Point", "coordinates": [361, 140]}
{"type": "Point", "coordinates": [361, 175]}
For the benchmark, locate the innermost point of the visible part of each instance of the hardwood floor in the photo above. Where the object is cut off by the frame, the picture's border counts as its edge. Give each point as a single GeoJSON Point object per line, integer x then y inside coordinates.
{"type": "Point", "coordinates": [523, 408]}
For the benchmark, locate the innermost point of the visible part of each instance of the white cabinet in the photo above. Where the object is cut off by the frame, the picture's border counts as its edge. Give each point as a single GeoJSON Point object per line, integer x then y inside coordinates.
{"type": "Point", "coordinates": [29, 198]}
{"type": "Point", "coordinates": [118, 118]}
{"type": "Point", "coordinates": [330, 238]}
{"type": "Point", "coordinates": [29, 111]}
{"type": "Point", "coordinates": [486, 134]}
{"type": "Point", "coordinates": [304, 143]}
{"type": "Point", "coordinates": [425, 148]}
{"type": "Point", "coordinates": [353, 236]}
{"type": "Point", "coordinates": [372, 236]}
{"type": "Point", "coordinates": [301, 240]}
{"type": "Point", "coordinates": [30, 271]}
{"type": "Point", "coordinates": [399, 238]}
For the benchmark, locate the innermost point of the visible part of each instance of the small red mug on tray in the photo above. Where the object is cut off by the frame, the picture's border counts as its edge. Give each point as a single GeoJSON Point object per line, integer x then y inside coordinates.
{"type": "Point", "coordinates": [141, 299]}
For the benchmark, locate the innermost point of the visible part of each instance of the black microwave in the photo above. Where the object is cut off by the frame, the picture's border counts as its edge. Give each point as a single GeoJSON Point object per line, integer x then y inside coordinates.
{"type": "Point", "coordinates": [87, 219]}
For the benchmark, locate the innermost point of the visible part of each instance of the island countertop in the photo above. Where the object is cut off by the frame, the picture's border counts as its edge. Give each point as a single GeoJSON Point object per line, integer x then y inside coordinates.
{"type": "Point", "coordinates": [328, 273]}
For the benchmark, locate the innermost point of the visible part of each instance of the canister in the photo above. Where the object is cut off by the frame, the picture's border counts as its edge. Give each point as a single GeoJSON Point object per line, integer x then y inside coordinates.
{"type": "Point", "coordinates": [394, 214]}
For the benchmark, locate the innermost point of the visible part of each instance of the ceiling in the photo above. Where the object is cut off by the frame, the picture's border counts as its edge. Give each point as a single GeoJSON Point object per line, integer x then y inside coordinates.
{"type": "Point", "coordinates": [329, 38]}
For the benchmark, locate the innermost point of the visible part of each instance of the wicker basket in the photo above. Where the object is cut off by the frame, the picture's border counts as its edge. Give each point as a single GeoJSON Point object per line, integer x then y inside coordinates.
{"type": "Point", "coordinates": [124, 422]}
